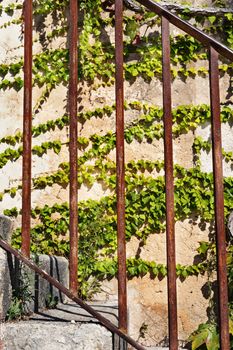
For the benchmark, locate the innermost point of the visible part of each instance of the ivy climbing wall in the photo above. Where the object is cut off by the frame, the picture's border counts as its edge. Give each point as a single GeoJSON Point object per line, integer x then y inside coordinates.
{"type": "Point", "coordinates": [145, 198]}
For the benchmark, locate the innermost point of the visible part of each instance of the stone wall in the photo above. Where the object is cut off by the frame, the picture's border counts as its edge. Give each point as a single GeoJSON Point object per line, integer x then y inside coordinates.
{"type": "Point", "coordinates": [147, 296]}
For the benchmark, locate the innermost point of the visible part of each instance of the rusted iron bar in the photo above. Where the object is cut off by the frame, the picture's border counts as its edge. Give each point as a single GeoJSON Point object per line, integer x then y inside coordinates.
{"type": "Point", "coordinates": [27, 129]}
{"type": "Point", "coordinates": [188, 28]}
{"type": "Point", "coordinates": [219, 201]}
{"type": "Point", "coordinates": [104, 321]}
{"type": "Point", "coordinates": [73, 149]}
{"type": "Point", "coordinates": [169, 184]}
{"type": "Point", "coordinates": [120, 163]}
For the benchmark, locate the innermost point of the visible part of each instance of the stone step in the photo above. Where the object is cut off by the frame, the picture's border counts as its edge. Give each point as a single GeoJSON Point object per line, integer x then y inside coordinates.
{"type": "Point", "coordinates": [71, 312]}
{"type": "Point", "coordinates": [38, 335]}
{"type": "Point", "coordinates": [66, 327]}
{"type": "Point", "coordinates": [58, 335]}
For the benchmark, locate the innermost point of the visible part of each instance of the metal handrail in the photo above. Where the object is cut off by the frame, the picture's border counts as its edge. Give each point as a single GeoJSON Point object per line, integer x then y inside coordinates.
{"type": "Point", "coordinates": [205, 39]}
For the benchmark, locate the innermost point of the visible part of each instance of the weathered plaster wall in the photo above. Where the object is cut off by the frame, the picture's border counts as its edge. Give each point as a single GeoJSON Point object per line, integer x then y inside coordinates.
{"type": "Point", "coordinates": [147, 297]}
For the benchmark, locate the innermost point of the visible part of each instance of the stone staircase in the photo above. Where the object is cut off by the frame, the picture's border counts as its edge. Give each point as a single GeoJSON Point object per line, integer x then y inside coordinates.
{"type": "Point", "coordinates": [67, 327]}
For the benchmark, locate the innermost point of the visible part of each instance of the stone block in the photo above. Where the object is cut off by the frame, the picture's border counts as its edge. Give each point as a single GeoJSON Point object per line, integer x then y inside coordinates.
{"type": "Point", "coordinates": [43, 293]}
{"type": "Point", "coordinates": [14, 276]}
{"type": "Point", "coordinates": [57, 267]}
{"type": "Point", "coordinates": [5, 279]}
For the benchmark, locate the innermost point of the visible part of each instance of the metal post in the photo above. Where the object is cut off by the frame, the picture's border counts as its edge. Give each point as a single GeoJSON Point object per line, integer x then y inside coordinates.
{"type": "Point", "coordinates": [169, 184]}
{"type": "Point", "coordinates": [27, 129]}
{"type": "Point", "coordinates": [219, 201]}
{"type": "Point", "coordinates": [73, 149]}
{"type": "Point", "coordinates": [120, 161]}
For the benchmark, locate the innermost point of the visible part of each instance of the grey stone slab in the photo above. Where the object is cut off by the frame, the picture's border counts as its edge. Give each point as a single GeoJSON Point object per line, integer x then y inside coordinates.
{"type": "Point", "coordinates": [6, 226]}
{"type": "Point", "coordinates": [42, 290]}
{"type": "Point", "coordinates": [55, 336]}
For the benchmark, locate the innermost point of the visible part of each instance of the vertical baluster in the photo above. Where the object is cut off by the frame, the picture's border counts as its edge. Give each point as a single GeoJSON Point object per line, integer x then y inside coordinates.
{"type": "Point", "coordinates": [169, 183]}
{"type": "Point", "coordinates": [27, 129]}
{"type": "Point", "coordinates": [120, 161]}
{"type": "Point", "coordinates": [219, 201]}
{"type": "Point", "coordinates": [73, 150]}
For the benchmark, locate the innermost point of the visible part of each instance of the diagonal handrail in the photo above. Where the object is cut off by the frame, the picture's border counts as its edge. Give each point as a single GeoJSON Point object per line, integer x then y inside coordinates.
{"type": "Point", "coordinates": [103, 320]}
{"type": "Point", "coordinates": [205, 39]}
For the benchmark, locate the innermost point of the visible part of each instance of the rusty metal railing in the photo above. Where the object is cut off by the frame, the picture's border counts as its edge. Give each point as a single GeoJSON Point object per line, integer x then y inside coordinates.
{"type": "Point", "coordinates": [215, 48]}
{"type": "Point", "coordinates": [73, 147]}
{"type": "Point", "coordinates": [169, 185]}
{"type": "Point", "coordinates": [27, 128]}
{"type": "Point", "coordinates": [219, 200]}
{"type": "Point", "coordinates": [120, 163]}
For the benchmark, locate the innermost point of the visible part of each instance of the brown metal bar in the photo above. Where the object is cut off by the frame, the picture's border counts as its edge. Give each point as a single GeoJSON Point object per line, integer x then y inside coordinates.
{"type": "Point", "coordinates": [104, 321]}
{"type": "Point", "coordinates": [188, 28]}
{"type": "Point", "coordinates": [120, 163]}
{"type": "Point", "coordinates": [219, 201]}
{"type": "Point", "coordinates": [27, 129]}
{"type": "Point", "coordinates": [169, 184]}
{"type": "Point", "coordinates": [73, 149]}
